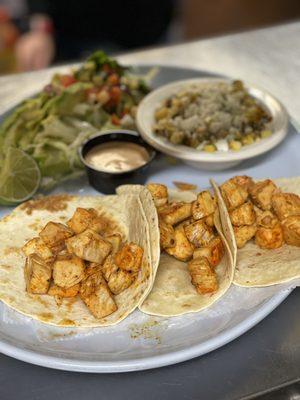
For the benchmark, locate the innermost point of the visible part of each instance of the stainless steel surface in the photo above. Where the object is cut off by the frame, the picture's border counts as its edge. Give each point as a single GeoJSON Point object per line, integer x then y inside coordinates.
{"type": "Point", "coordinates": [266, 357]}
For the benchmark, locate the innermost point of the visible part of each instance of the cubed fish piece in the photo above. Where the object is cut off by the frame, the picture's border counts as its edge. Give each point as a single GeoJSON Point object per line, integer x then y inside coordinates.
{"type": "Point", "coordinates": [214, 252]}
{"type": "Point", "coordinates": [129, 257]}
{"type": "Point", "coordinates": [115, 240]}
{"type": "Point", "coordinates": [244, 181]}
{"type": "Point", "coordinates": [269, 238]}
{"type": "Point", "coordinates": [199, 234]}
{"type": "Point", "coordinates": [261, 193]}
{"type": "Point", "coordinates": [182, 249]}
{"type": "Point", "coordinates": [54, 234]}
{"type": "Point", "coordinates": [234, 195]}
{"type": "Point", "coordinates": [166, 234]}
{"type": "Point", "coordinates": [203, 276]}
{"type": "Point", "coordinates": [81, 219]}
{"type": "Point", "coordinates": [243, 215]}
{"type": "Point", "coordinates": [286, 205]}
{"type": "Point", "coordinates": [120, 280]}
{"type": "Point", "coordinates": [159, 193]}
{"type": "Point", "coordinates": [37, 246]}
{"type": "Point", "coordinates": [89, 246]}
{"type": "Point", "coordinates": [243, 234]}
{"type": "Point", "coordinates": [175, 212]}
{"type": "Point", "coordinates": [97, 296]}
{"type": "Point", "coordinates": [291, 230]}
{"type": "Point", "coordinates": [59, 291]}
{"type": "Point", "coordinates": [68, 270]}
{"type": "Point", "coordinates": [204, 206]}
{"type": "Point", "coordinates": [37, 274]}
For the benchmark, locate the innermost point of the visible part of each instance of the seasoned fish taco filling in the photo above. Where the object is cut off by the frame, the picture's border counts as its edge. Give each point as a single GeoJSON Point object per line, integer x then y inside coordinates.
{"type": "Point", "coordinates": [186, 235]}
{"type": "Point", "coordinates": [263, 221]}
{"type": "Point", "coordinates": [80, 259]}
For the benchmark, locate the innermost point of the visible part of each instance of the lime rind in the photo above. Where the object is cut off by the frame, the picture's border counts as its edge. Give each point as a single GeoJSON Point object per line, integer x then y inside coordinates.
{"type": "Point", "coordinates": [19, 177]}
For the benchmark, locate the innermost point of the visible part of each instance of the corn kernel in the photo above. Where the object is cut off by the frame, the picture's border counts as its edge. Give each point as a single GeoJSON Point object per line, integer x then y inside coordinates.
{"type": "Point", "coordinates": [209, 148]}
{"type": "Point", "coordinates": [161, 113]}
{"type": "Point", "coordinates": [235, 145]}
{"type": "Point", "coordinates": [265, 133]}
{"type": "Point", "coordinates": [248, 139]}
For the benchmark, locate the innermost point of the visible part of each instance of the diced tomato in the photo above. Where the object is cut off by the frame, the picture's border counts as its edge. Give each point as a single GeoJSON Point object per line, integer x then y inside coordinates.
{"type": "Point", "coordinates": [113, 79]}
{"type": "Point", "coordinates": [106, 68]}
{"type": "Point", "coordinates": [115, 119]}
{"type": "Point", "coordinates": [125, 111]}
{"type": "Point", "coordinates": [115, 94]}
{"type": "Point", "coordinates": [67, 80]}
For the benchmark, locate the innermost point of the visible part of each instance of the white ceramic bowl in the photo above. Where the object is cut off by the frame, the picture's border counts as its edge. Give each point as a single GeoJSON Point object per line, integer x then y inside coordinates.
{"type": "Point", "coordinates": [218, 160]}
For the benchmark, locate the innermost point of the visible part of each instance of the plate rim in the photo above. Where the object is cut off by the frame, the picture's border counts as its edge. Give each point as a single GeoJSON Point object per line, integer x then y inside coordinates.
{"type": "Point", "coordinates": [151, 362]}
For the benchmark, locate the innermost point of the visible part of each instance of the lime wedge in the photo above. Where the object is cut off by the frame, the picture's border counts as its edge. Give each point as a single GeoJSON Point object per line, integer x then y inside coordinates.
{"type": "Point", "coordinates": [19, 177]}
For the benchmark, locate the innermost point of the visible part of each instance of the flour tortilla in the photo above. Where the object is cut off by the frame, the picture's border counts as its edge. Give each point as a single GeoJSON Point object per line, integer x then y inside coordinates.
{"type": "Point", "coordinates": [150, 215]}
{"type": "Point", "coordinates": [172, 292]}
{"type": "Point", "coordinates": [125, 215]}
{"type": "Point", "coordinates": [256, 267]}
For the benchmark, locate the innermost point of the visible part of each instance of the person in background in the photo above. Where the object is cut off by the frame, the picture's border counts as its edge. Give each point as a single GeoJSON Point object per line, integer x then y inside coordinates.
{"type": "Point", "coordinates": [59, 30]}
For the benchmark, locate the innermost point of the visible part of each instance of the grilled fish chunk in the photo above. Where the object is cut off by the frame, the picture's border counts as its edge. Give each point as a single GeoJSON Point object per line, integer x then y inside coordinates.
{"type": "Point", "coordinates": [269, 238]}
{"type": "Point", "coordinates": [203, 276]}
{"type": "Point", "coordinates": [37, 274]}
{"type": "Point", "coordinates": [96, 295]}
{"type": "Point", "coordinates": [203, 206]}
{"type": "Point", "coordinates": [109, 267]}
{"type": "Point", "coordinates": [243, 234]}
{"type": "Point", "coordinates": [129, 257]}
{"type": "Point", "coordinates": [234, 195]}
{"type": "Point", "coordinates": [166, 234]}
{"type": "Point", "coordinates": [37, 246]}
{"type": "Point", "coordinates": [286, 204]}
{"type": "Point", "coordinates": [209, 220]}
{"type": "Point", "coordinates": [54, 234]}
{"type": "Point", "coordinates": [92, 267]}
{"type": "Point", "coordinates": [244, 181]}
{"type": "Point", "coordinates": [243, 215]}
{"type": "Point", "coordinates": [199, 234]}
{"type": "Point", "coordinates": [182, 249]}
{"type": "Point", "coordinates": [89, 246]}
{"type": "Point", "coordinates": [159, 193]}
{"type": "Point", "coordinates": [265, 218]}
{"type": "Point", "coordinates": [262, 192]}
{"type": "Point", "coordinates": [117, 279]}
{"type": "Point", "coordinates": [175, 212]}
{"type": "Point", "coordinates": [59, 291]}
{"type": "Point", "coordinates": [115, 240]}
{"type": "Point", "coordinates": [214, 252]}
{"type": "Point", "coordinates": [81, 219]}
{"type": "Point", "coordinates": [68, 270]}
{"type": "Point", "coordinates": [120, 280]}
{"type": "Point", "coordinates": [291, 230]}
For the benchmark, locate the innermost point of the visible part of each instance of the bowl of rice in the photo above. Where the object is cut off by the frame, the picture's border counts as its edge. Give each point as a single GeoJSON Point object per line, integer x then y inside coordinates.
{"type": "Point", "coordinates": [212, 123]}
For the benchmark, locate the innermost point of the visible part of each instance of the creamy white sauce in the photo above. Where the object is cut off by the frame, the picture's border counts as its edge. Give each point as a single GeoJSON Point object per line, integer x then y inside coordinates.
{"type": "Point", "coordinates": [117, 156]}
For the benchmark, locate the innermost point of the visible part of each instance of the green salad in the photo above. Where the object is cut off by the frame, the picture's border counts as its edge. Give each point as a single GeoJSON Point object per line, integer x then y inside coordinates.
{"type": "Point", "coordinates": [50, 127]}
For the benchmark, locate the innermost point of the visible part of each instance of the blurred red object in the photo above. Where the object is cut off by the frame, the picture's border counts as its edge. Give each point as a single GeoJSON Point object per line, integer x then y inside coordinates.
{"type": "Point", "coordinates": [9, 35]}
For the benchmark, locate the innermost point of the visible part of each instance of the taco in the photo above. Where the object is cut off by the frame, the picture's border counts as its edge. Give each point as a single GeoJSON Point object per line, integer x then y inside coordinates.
{"type": "Point", "coordinates": [76, 261]}
{"type": "Point", "coordinates": [261, 220]}
{"type": "Point", "coordinates": [196, 266]}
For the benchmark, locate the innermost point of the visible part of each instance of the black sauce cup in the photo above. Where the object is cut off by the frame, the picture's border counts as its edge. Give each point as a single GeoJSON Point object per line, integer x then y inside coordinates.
{"type": "Point", "coordinates": [107, 182]}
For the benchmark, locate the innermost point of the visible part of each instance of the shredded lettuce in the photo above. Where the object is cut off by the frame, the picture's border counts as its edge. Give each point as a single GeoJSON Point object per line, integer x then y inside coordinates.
{"type": "Point", "coordinates": [52, 125]}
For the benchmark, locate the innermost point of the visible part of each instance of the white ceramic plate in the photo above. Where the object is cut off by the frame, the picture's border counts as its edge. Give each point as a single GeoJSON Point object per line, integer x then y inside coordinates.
{"type": "Point", "coordinates": [138, 343]}
{"type": "Point", "coordinates": [219, 159]}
